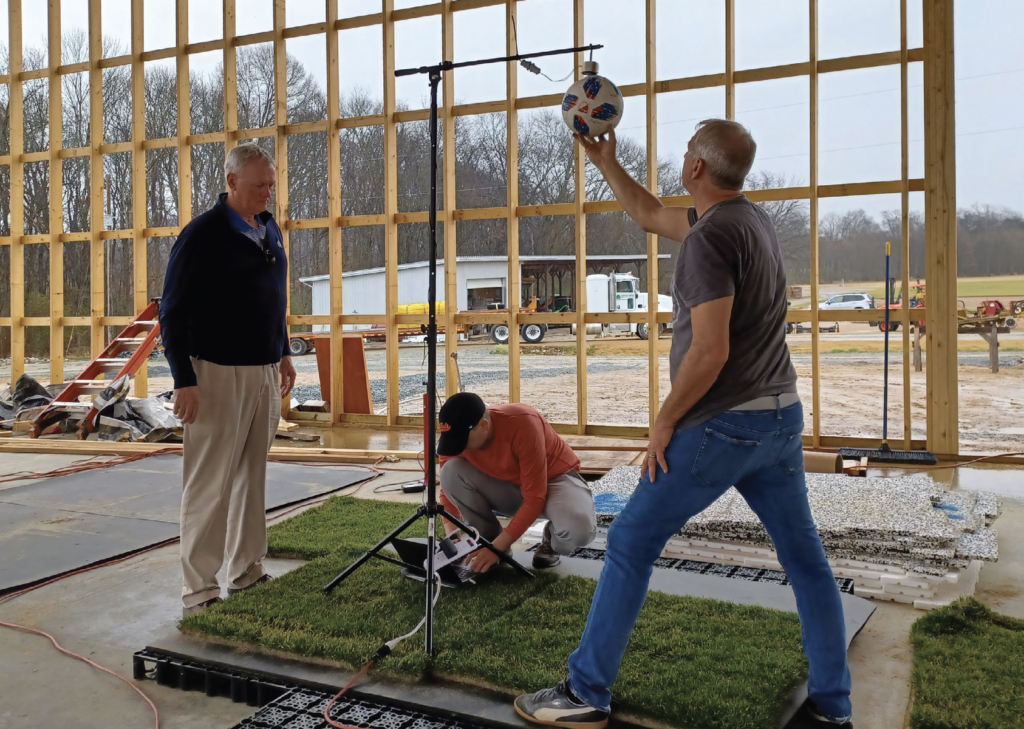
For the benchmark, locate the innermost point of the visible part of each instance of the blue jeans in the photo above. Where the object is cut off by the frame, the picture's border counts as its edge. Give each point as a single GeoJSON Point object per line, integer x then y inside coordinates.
{"type": "Point", "coordinates": [760, 453]}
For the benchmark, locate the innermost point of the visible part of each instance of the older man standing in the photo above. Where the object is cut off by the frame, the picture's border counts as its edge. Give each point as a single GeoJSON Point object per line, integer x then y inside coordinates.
{"type": "Point", "coordinates": [226, 339]}
{"type": "Point", "coordinates": [732, 418]}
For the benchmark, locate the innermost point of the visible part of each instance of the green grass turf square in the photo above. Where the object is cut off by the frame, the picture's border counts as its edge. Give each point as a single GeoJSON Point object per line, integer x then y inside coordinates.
{"type": "Point", "coordinates": [691, 662]}
{"type": "Point", "coordinates": [968, 669]}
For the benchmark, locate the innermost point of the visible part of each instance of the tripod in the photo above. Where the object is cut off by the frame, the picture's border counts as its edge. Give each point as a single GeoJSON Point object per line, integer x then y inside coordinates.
{"type": "Point", "coordinates": [431, 509]}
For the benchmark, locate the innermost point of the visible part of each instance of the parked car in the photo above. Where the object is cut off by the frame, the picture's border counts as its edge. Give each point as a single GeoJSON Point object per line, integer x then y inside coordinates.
{"type": "Point", "coordinates": [849, 301]}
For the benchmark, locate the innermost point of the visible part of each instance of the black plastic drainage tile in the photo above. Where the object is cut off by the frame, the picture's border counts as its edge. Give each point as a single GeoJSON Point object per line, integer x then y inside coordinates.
{"type": "Point", "coordinates": [712, 569]}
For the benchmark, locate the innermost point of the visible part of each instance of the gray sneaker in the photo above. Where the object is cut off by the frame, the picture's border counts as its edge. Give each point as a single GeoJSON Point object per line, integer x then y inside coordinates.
{"type": "Point", "coordinates": [260, 581]}
{"type": "Point", "coordinates": [545, 557]}
{"type": "Point", "coordinates": [195, 609]}
{"type": "Point", "coordinates": [558, 706]}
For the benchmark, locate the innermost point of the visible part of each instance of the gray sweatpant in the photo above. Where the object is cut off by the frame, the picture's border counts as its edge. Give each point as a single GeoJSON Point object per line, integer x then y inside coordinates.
{"type": "Point", "coordinates": [569, 507]}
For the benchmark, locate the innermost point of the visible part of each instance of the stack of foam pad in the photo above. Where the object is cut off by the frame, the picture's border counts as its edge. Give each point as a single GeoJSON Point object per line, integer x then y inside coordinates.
{"type": "Point", "coordinates": [901, 539]}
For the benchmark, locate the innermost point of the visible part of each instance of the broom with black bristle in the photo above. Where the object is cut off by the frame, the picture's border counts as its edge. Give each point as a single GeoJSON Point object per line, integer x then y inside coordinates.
{"type": "Point", "coordinates": [885, 454]}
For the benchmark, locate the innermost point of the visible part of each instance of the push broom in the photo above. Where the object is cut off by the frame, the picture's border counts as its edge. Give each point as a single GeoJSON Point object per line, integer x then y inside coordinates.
{"type": "Point", "coordinates": [885, 454]}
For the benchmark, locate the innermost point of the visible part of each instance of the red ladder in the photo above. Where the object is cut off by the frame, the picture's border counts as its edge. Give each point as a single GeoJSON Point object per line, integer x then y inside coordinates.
{"type": "Point", "coordinates": [139, 338]}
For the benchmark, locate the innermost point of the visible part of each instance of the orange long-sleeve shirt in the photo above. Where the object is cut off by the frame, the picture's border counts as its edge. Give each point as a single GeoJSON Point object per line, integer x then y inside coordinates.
{"type": "Point", "coordinates": [526, 451]}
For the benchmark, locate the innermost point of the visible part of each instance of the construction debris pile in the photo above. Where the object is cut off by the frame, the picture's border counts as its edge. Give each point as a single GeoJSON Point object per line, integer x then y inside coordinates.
{"type": "Point", "coordinates": [900, 539]}
{"type": "Point", "coordinates": [121, 418]}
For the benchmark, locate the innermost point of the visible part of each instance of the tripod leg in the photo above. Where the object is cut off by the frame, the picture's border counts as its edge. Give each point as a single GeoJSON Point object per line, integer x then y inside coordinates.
{"type": "Point", "coordinates": [501, 555]}
{"type": "Point", "coordinates": [376, 548]}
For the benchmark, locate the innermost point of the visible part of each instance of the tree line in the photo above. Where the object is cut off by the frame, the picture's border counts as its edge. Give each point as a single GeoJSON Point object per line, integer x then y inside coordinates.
{"type": "Point", "coordinates": [990, 241]}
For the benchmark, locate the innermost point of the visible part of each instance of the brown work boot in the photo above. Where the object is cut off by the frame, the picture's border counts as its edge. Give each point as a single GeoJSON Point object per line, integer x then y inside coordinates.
{"type": "Point", "coordinates": [260, 581]}
{"type": "Point", "coordinates": [545, 557]}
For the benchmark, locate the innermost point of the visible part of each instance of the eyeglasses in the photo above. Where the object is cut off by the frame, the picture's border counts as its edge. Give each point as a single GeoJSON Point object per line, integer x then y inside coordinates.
{"type": "Point", "coordinates": [268, 253]}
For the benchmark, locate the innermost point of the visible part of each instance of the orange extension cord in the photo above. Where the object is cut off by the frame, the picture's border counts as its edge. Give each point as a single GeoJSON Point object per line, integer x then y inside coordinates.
{"type": "Point", "coordinates": [90, 464]}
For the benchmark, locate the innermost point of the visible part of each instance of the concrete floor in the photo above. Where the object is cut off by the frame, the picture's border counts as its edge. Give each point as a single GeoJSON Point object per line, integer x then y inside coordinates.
{"type": "Point", "coordinates": [109, 613]}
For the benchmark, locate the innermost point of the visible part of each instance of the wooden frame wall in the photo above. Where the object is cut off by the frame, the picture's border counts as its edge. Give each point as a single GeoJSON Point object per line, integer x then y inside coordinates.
{"type": "Point", "coordinates": [938, 185]}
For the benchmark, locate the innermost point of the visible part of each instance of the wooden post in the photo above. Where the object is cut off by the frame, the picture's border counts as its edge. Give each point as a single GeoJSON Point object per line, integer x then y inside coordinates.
{"type": "Point", "coordinates": [390, 211]}
{"type": "Point", "coordinates": [905, 222]}
{"type": "Point", "coordinates": [334, 232]}
{"type": "Point", "coordinates": [17, 137]}
{"type": "Point", "coordinates": [280, 144]}
{"type": "Point", "coordinates": [815, 333]}
{"type": "Point", "coordinates": [940, 227]}
{"type": "Point", "coordinates": [184, 122]}
{"type": "Point", "coordinates": [918, 364]}
{"type": "Point", "coordinates": [231, 80]}
{"type": "Point", "coordinates": [730, 59]}
{"type": "Point", "coordinates": [514, 272]}
{"type": "Point", "coordinates": [140, 210]}
{"type": "Point", "coordinates": [993, 349]}
{"type": "Point", "coordinates": [56, 201]}
{"type": "Point", "coordinates": [451, 280]}
{"type": "Point", "coordinates": [653, 365]}
{"type": "Point", "coordinates": [98, 274]}
{"type": "Point", "coordinates": [580, 280]}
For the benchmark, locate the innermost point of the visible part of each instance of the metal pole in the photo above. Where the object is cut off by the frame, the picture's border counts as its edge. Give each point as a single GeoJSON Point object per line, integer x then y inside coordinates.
{"type": "Point", "coordinates": [430, 455]}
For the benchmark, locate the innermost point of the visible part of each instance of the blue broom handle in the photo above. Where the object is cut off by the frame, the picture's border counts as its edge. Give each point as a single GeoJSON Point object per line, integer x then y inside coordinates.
{"type": "Point", "coordinates": [885, 380]}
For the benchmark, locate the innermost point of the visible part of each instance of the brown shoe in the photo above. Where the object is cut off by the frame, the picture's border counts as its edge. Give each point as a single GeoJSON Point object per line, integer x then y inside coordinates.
{"type": "Point", "coordinates": [545, 557]}
{"type": "Point", "coordinates": [260, 581]}
{"type": "Point", "coordinates": [196, 609]}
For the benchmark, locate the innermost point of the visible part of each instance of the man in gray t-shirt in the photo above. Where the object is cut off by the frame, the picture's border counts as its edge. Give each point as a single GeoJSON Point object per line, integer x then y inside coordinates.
{"type": "Point", "coordinates": [732, 251]}
{"type": "Point", "coordinates": [731, 419]}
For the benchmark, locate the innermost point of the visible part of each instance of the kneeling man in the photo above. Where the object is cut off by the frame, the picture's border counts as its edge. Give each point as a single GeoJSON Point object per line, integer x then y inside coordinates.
{"type": "Point", "coordinates": [509, 459]}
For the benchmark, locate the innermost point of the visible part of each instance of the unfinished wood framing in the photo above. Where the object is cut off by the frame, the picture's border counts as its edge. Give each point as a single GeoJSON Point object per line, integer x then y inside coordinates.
{"type": "Point", "coordinates": [580, 191]}
{"type": "Point", "coordinates": [938, 186]}
{"type": "Point", "coordinates": [653, 280]}
{"type": "Point", "coordinates": [512, 165]}
{"type": "Point", "coordinates": [334, 234]}
{"type": "Point", "coordinates": [813, 207]}
{"type": "Point", "coordinates": [56, 200]}
{"type": "Point", "coordinates": [905, 227]}
{"type": "Point", "coordinates": [940, 227]}
{"type": "Point", "coordinates": [451, 280]}
{"type": "Point", "coordinates": [17, 137]}
{"type": "Point", "coordinates": [140, 211]}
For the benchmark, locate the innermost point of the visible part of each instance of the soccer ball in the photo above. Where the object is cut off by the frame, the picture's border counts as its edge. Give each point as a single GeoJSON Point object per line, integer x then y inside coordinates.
{"type": "Point", "coordinates": [592, 105]}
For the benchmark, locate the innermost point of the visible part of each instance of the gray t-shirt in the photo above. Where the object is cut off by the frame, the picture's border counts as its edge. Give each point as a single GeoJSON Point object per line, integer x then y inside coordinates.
{"type": "Point", "coordinates": [732, 250]}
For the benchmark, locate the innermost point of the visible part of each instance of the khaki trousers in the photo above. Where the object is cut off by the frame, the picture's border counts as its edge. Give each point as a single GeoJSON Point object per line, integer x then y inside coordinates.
{"type": "Point", "coordinates": [569, 506]}
{"type": "Point", "coordinates": [223, 511]}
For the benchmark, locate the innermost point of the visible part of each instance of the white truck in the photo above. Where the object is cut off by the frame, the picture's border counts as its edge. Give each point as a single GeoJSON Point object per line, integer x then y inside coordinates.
{"type": "Point", "coordinates": [621, 291]}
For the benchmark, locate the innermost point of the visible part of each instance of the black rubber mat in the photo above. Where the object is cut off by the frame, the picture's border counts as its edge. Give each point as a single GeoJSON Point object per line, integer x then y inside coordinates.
{"type": "Point", "coordinates": [61, 524]}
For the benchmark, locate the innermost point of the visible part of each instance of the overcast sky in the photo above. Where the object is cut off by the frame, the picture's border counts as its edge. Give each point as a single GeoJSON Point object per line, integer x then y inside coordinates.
{"type": "Point", "coordinates": [859, 123]}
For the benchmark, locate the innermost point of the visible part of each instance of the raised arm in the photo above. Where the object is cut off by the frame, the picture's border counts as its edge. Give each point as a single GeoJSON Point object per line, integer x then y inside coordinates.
{"type": "Point", "coordinates": [640, 204]}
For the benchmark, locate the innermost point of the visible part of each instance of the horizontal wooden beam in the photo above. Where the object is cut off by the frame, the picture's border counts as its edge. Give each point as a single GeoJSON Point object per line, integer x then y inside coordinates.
{"type": "Point", "coordinates": [357, 221]}
{"type": "Point", "coordinates": [480, 213]}
{"type": "Point", "coordinates": [868, 315]}
{"type": "Point", "coordinates": [307, 223]}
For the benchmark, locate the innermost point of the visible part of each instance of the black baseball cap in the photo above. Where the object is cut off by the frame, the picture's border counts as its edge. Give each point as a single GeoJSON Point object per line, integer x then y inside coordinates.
{"type": "Point", "coordinates": [459, 415]}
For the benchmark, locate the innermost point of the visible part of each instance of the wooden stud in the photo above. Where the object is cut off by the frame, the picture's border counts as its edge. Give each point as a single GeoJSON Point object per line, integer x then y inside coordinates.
{"type": "Point", "coordinates": [390, 211]}
{"type": "Point", "coordinates": [580, 200]}
{"type": "Point", "coordinates": [56, 200]}
{"type": "Point", "coordinates": [230, 78]}
{"type": "Point", "coordinates": [653, 277]}
{"type": "Point", "coordinates": [17, 219]}
{"type": "Point", "coordinates": [334, 235]}
{"type": "Point", "coordinates": [512, 165]}
{"type": "Point", "coordinates": [140, 209]}
{"type": "Point", "coordinates": [815, 262]}
{"type": "Point", "coordinates": [905, 222]}
{"type": "Point", "coordinates": [98, 277]}
{"type": "Point", "coordinates": [280, 143]}
{"type": "Point", "coordinates": [451, 280]}
{"type": "Point", "coordinates": [730, 59]}
{"type": "Point", "coordinates": [184, 121]}
{"type": "Point", "coordinates": [940, 227]}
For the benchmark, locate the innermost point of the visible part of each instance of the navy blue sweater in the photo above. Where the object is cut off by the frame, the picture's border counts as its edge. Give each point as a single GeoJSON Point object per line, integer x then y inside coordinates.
{"type": "Point", "coordinates": [222, 301]}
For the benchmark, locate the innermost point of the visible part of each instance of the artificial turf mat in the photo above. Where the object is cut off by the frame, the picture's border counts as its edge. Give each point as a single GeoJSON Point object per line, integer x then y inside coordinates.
{"type": "Point", "coordinates": [692, 662]}
{"type": "Point", "coordinates": [968, 669]}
